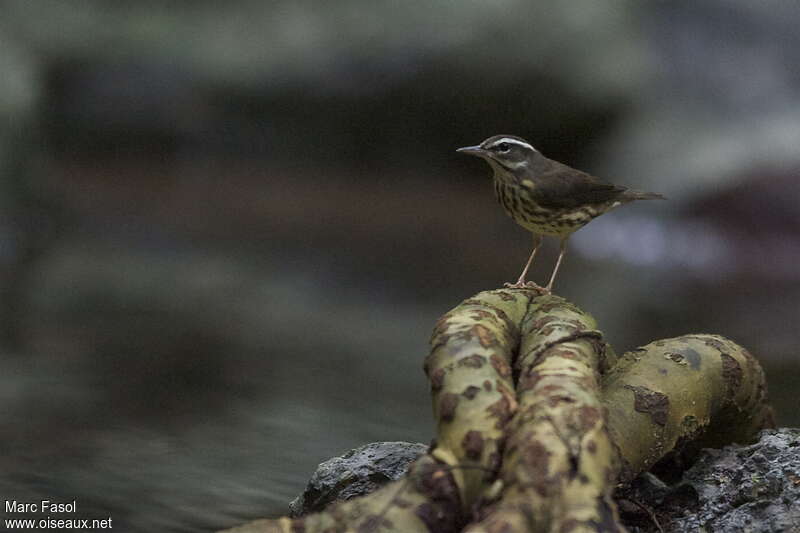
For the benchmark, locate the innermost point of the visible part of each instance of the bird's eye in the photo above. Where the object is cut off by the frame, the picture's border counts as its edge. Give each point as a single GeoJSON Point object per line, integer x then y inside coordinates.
{"type": "Point", "coordinates": [503, 147]}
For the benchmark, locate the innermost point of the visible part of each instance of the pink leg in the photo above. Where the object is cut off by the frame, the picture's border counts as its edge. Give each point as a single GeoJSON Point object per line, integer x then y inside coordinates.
{"type": "Point", "coordinates": [537, 242]}
{"type": "Point", "coordinates": [563, 248]}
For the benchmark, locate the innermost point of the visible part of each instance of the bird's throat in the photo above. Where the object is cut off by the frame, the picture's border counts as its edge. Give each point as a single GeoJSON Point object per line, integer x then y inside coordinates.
{"type": "Point", "coordinates": [503, 175]}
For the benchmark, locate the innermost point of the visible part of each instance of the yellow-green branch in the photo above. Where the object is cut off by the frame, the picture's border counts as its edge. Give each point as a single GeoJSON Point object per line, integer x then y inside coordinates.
{"type": "Point", "coordinates": [535, 417]}
{"type": "Point", "coordinates": [701, 390]}
{"type": "Point", "coordinates": [559, 464]}
{"type": "Point", "coordinates": [469, 369]}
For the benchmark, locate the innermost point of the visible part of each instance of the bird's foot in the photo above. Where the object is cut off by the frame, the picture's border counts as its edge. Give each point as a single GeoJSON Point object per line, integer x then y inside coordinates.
{"type": "Point", "coordinates": [527, 285]}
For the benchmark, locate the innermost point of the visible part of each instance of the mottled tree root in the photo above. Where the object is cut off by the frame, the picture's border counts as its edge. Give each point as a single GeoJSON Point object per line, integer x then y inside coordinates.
{"type": "Point", "coordinates": [558, 468]}
{"type": "Point", "coordinates": [426, 500]}
{"type": "Point", "coordinates": [469, 369]}
{"type": "Point", "coordinates": [691, 391]}
{"type": "Point", "coordinates": [540, 447]}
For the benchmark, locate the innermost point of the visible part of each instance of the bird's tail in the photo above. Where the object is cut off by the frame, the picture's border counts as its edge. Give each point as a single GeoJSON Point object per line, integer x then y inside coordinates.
{"type": "Point", "coordinates": [641, 195]}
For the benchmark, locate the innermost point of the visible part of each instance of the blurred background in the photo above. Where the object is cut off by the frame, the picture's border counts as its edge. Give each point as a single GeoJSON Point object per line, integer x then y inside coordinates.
{"type": "Point", "coordinates": [227, 228]}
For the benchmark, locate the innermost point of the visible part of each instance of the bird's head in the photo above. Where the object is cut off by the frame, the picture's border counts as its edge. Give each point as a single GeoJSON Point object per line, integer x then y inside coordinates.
{"type": "Point", "coordinates": [507, 152]}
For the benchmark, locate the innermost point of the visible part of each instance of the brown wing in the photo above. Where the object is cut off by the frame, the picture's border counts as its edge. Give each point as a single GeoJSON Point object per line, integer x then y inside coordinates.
{"type": "Point", "coordinates": [563, 187]}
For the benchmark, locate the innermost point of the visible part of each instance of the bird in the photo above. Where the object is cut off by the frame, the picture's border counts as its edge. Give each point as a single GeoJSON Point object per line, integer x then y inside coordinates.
{"type": "Point", "coordinates": [546, 197]}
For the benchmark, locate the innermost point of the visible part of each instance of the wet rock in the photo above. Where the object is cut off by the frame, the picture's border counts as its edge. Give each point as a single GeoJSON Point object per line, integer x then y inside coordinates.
{"type": "Point", "coordinates": [358, 472]}
{"type": "Point", "coordinates": [752, 489]}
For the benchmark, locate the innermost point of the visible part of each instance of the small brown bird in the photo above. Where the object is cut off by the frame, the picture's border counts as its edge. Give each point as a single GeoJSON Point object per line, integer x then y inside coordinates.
{"type": "Point", "coordinates": [546, 197]}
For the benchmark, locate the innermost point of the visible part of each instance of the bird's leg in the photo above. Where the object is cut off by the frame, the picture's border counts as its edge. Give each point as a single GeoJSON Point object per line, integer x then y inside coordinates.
{"type": "Point", "coordinates": [562, 249]}
{"type": "Point", "coordinates": [537, 242]}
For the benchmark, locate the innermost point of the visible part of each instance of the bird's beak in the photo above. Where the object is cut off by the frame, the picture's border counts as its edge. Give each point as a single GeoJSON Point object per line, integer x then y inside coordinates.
{"type": "Point", "coordinates": [472, 150]}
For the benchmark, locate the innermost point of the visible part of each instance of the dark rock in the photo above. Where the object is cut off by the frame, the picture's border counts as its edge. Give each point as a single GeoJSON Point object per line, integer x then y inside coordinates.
{"type": "Point", "coordinates": [358, 472]}
{"type": "Point", "coordinates": [751, 489]}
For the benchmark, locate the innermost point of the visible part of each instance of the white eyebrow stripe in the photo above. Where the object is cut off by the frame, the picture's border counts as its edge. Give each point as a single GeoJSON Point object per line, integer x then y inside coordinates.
{"type": "Point", "coordinates": [513, 141]}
